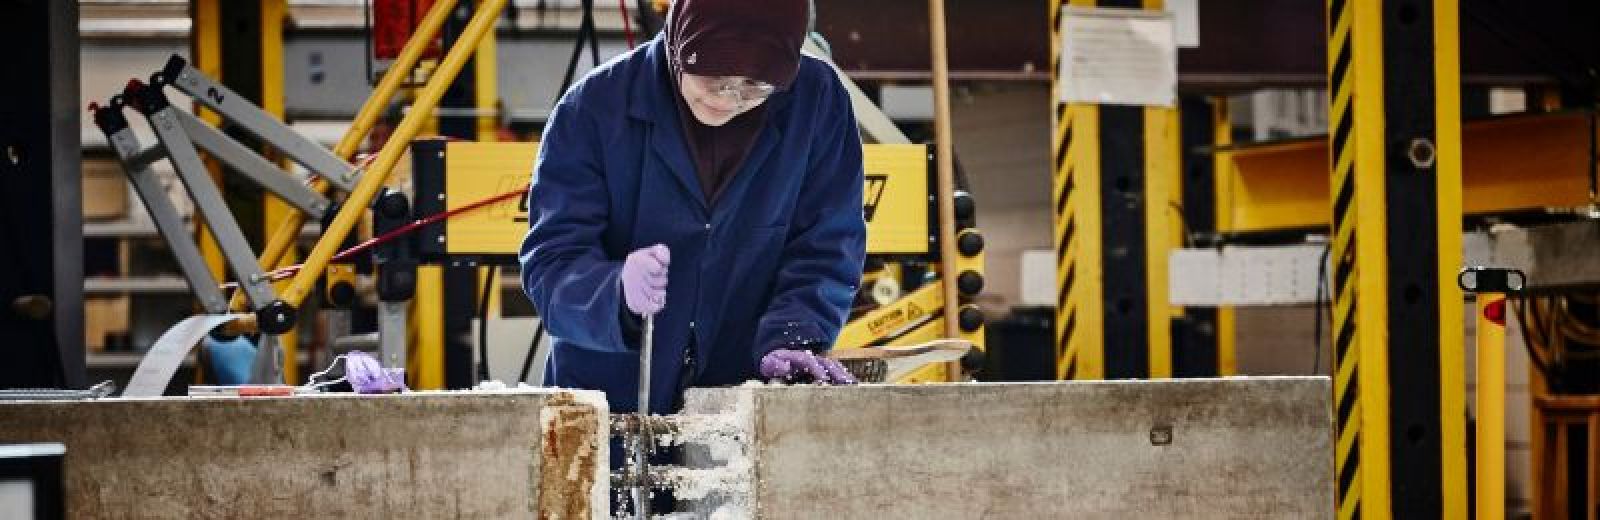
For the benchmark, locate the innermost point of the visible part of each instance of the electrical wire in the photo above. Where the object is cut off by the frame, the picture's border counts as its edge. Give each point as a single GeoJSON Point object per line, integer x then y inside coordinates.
{"type": "Point", "coordinates": [1317, 307]}
{"type": "Point", "coordinates": [489, 286]}
{"type": "Point", "coordinates": [286, 272]}
{"type": "Point", "coordinates": [627, 26]}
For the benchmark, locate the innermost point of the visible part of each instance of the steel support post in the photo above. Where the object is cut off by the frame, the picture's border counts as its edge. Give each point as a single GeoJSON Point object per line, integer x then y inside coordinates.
{"type": "Point", "coordinates": [1395, 161]}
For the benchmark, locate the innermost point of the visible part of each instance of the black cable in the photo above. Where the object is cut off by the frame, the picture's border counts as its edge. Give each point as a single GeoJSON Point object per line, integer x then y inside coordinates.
{"type": "Point", "coordinates": [483, 322]}
{"type": "Point", "coordinates": [1322, 293]}
{"type": "Point", "coordinates": [586, 31]}
{"type": "Point", "coordinates": [594, 37]}
{"type": "Point", "coordinates": [533, 348]}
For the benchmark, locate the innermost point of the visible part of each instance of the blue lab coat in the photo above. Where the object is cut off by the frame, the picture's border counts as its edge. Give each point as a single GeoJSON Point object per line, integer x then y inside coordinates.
{"type": "Point", "coordinates": [774, 263]}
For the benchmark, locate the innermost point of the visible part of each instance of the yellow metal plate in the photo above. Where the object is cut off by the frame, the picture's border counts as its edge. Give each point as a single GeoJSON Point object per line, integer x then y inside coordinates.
{"type": "Point", "coordinates": [896, 198]}
{"type": "Point", "coordinates": [475, 171]}
{"type": "Point", "coordinates": [895, 201]}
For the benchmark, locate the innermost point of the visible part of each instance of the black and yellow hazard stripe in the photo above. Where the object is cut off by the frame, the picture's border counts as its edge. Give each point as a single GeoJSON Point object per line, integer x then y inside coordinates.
{"type": "Point", "coordinates": [1115, 179]}
{"type": "Point", "coordinates": [1076, 224]}
{"type": "Point", "coordinates": [1399, 396]}
{"type": "Point", "coordinates": [1346, 386]}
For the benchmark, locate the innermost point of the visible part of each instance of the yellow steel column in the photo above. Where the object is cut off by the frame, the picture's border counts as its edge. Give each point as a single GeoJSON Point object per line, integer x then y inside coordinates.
{"type": "Point", "coordinates": [1395, 161]}
{"type": "Point", "coordinates": [1075, 182]}
{"type": "Point", "coordinates": [1447, 185]}
{"type": "Point", "coordinates": [427, 312]}
{"type": "Point", "coordinates": [274, 209]}
{"type": "Point", "coordinates": [486, 69]}
{"type": "Point", "coordinates": [1357, 160]}
{"type": "Point", "coordinates": [1491, 439]}
{"type": "Point", "coordinates": [1222, 170]}
{"type": "Point", "coordinates": [1162, 197]}
{"type": "Point", "coordinates": [206, 47]}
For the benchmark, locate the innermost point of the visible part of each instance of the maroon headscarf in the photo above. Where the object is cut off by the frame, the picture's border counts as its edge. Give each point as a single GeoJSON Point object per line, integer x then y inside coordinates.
{"type": "Point", "coordinates": [757, 39]}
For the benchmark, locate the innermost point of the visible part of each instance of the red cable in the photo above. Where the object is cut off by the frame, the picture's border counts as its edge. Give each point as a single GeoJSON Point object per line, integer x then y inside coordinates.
{"type": "Point", "coordinates": [402, 230]}
{"type": "Point", "coordinates": [627, 28]}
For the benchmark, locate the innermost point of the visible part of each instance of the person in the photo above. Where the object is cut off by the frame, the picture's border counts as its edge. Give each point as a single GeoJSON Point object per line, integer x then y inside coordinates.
{"type": "Point", "coordinates": [712, 179]}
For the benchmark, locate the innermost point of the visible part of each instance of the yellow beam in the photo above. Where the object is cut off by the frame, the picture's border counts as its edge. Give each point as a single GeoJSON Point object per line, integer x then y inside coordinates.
{"type": "Point", "coordinates": [482, 22]}
{"type": "Point", "coordinates": [1511, 163]}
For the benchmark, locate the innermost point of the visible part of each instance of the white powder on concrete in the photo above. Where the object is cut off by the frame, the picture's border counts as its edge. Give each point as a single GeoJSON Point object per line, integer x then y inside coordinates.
{"type": "Point", "coordinates": [723, 438]}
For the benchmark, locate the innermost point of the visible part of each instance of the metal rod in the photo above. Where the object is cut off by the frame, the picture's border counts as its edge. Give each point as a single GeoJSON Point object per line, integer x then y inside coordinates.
{"type": "Point", "coordinates": [166, 219]}
{"type": "Point", "coordinates": [367, 187]}
{"type": "Point", "coordinates": [371, 110]}
{"type": "Point", "coordinates": [208, 200]}
{"type": "Point", "coordinates": [945, 187]}
{"type": "Point", "coordinates": [641, 451]}
{"type": "Point", "coordinates": [265, 174]}
{"type": "Point", "coordinates": [239, 111]}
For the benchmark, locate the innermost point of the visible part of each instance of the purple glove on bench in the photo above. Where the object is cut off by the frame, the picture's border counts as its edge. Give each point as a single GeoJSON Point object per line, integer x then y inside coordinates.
{"type": "Point", "coordinates": [802, 366]}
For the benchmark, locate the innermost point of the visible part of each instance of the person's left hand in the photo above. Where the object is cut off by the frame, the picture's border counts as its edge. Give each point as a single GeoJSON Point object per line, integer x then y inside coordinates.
{"type": "Point", "coordinates": [802, 366]}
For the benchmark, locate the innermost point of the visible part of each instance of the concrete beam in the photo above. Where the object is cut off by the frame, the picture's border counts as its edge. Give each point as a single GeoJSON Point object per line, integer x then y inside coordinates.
{"type": "Point", "coordinates": [419, 455]}
{"type": "Point", "coordinates": [1555, 256]}
{"type": "Point", "coordinates": [1214, 448]}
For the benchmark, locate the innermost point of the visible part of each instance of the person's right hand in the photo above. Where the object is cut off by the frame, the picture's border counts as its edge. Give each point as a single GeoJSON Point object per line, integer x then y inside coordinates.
{"type": "Point", "coordinates": [644, 279]}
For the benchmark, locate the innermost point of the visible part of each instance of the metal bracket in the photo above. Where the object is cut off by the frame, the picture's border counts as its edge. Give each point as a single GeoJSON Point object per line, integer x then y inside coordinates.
{"type": "Point", "coordinates": [238, 110]}
{"type": "Point", "coordinates": [135, 163]}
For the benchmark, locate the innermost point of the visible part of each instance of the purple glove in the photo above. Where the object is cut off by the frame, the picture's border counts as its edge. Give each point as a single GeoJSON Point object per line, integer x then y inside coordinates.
{"type": "Point", "coordinates": [801, 366]}
{"type": "Point", "coordinates": [644, 279]}
{"type": "Point", "coordinates": [367, 376]}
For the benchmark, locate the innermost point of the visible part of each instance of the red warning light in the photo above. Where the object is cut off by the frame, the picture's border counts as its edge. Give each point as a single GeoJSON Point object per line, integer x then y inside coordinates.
{"type": "Point", "coordinates": [1495, 311]}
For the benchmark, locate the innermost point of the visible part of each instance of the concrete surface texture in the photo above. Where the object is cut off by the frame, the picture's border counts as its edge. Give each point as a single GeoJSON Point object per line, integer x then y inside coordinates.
{"type": "Point", "coordinates": [1212, 448]}
{"type": "Point", "coordinates": [514, 454]}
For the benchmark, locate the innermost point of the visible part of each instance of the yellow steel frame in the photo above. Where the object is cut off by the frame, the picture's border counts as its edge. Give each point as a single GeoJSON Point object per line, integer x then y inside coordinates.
{"type": "Point", "coordinates": [283, 236]}
{"type": "Point", "coordinates": [1358, 163]}
{"type": "Point", "coordinates": [1079, 334]}
{"type": "Point", "coordinates": [374, 178]}
{"type": "Point", "coordinates": [1511, 163]}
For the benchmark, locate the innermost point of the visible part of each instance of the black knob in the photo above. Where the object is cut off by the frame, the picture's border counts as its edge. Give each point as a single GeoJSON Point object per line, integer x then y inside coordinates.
{"type": "Point", "coordinates": [970, 242]}
{"type": "Point", "coordinates": [392, 204]}
{"type": "Point", "coordinates": [974, 361]}
{"type": "Point", "coordinates": [342, 294]}
{"type": "Point", "coordinates": [969, 282]}
{"type": "Point", "coordinates": [276, 318]}
{"type": "Point", "coordinates": [965, 207]}
{"type": "Point", "coordinates": [970, 318]}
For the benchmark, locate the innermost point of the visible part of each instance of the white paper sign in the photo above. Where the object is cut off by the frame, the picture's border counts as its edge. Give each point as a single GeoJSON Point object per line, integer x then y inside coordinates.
{"type": "Point", "coordinates": [1118, 57]}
